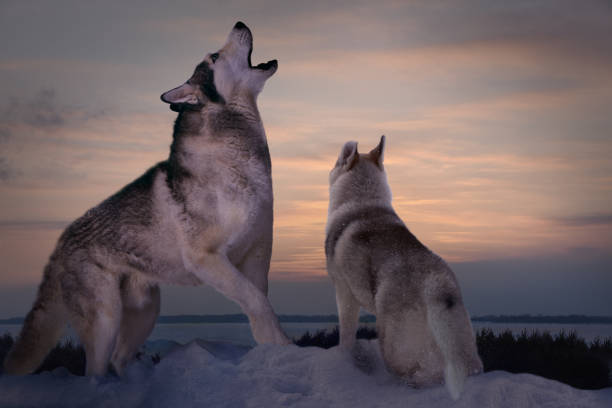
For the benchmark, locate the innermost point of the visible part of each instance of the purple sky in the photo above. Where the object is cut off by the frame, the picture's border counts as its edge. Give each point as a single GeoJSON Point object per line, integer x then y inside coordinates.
{"type": "Point", "coordinates": [497, 117]}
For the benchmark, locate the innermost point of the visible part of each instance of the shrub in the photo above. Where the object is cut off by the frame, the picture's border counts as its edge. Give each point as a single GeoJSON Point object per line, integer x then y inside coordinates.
{"type": "Point", "coordinates": [327, 340]}
{"type": "Point", "coordinates": [67, 354]}
{"type": "Point", "coordinates": [564, 357]}
{"type": "Point", "coordinates": [6, 341]}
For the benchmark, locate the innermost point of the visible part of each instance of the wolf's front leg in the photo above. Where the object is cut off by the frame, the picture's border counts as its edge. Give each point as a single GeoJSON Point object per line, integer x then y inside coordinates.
{"type": "Point", "coordinates": [217, 271]}
{"type": "Point", "coordinates": [256, 264]}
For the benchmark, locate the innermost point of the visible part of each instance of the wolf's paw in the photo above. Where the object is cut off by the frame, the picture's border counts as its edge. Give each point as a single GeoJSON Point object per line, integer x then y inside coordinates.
{"type": "Point", "coordinates": [363, 359]}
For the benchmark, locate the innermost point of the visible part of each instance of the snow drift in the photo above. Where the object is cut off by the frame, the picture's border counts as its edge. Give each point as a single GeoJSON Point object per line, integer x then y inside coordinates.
{"type": "Point", "coordinates": [216, 374]}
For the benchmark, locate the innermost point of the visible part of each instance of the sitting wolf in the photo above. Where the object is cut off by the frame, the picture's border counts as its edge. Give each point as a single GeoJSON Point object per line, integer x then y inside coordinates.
{"type": "Point", "coordinates": [202, 216]}
{"type": "Point", "coordinates": [375, 262]}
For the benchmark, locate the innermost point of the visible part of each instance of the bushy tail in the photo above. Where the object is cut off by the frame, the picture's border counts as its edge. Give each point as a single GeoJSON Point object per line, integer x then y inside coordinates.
{"type": "Point", "coordinates": [453, 334]}
{"type": "Point", "coordinates": [42, 328]}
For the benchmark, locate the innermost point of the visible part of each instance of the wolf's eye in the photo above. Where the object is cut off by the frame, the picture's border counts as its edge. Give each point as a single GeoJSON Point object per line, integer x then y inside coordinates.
{"type": "Point", "coordinates": [214, 57]}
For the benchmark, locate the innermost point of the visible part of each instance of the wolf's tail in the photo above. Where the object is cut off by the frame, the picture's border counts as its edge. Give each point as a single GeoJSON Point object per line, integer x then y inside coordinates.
{"type": "Point", "coordinates": [41, 330]}
{"type": "Point", "coordinates": [455, 369]}
{"type": "Point", "coordinates": [452, 331]}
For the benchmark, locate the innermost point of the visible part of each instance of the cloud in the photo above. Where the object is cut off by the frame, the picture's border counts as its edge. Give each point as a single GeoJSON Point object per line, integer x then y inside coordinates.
{"type": "Point", "coordinates": [46, 142]}
{"type": "Point", "coordinates": [495, 113]}
{"type": "Point", "coordinates": [34, 224]}
{"type": "Point", "coordinates": [552, 24]}
{"type": "Point", "coordinates": [6, 172]}
{"type": "Point", "coordinates": [585, 220]}
{"type": "Point", "coordinates": [573, 282]}
{"type": "Point", "coordinates": [41, 111]}
{"type": "Point", "coordinates": [5, 134]}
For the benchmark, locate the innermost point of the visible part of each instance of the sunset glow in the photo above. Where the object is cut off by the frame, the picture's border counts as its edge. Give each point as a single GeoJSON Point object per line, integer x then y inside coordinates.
{"type": "Point", "coordinates": [497, 118]}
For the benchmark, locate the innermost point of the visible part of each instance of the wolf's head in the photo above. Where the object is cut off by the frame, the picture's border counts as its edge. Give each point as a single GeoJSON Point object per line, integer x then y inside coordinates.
{"type": "Point", "coordinates": [359, 176]}
{"type": "Point", "coordinates": [224, 76]}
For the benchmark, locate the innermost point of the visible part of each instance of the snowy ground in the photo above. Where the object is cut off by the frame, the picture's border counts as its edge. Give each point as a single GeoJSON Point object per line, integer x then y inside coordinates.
{"type": "Point", "coordinates": [213, 374]}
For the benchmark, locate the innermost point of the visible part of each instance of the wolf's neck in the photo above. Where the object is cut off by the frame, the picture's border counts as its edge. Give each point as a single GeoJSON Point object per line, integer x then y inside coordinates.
{"type": "Point", "coordinates": [246, 105]}
{"type": "Point", "coordinates": [187, 122]}
{"type": "Point", "coordinates": [215, 132]}
{"type": "Point", "coordinates": [236, 115]}
{"type": "Point", "coordinates": [188, 125]}
{"type": "Point", "coordinates": [342, 200]}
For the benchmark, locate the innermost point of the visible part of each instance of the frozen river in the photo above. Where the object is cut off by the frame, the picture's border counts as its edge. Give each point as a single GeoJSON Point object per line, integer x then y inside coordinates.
{"type": "Point", "coordinates": [240, 332]}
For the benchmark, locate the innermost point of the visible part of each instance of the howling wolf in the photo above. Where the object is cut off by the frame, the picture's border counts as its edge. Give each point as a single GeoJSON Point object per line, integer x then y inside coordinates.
{"type": "Point", "coordinates": [204, 216]}
{"type": "Point", "coordinates": [375, 262]}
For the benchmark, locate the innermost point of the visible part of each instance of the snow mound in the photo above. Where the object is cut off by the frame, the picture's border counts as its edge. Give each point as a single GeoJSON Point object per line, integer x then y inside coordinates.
{"type": "Point", "coordinates": [216, 374]}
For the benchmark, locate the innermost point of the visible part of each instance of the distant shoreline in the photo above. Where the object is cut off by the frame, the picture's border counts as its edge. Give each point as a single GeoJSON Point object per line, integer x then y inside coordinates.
{"type": "Point", "coordinates": [564, 319]}
{"type": "Point", "coordinates": [240, 318]}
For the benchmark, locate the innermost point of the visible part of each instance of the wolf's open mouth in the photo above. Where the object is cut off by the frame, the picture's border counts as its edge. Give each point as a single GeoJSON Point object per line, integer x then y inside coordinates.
{"type": "Point", "coordinates": [266, 65]}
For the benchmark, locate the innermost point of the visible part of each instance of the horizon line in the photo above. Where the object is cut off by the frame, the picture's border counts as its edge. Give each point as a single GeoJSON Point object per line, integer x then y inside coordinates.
{"type": "Point", "coordinates": [364, 318]}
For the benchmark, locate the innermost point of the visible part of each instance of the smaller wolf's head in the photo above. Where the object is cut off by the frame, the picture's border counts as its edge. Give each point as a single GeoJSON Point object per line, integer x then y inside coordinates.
{"type": "Point", "coordinates": [359, 176]}
{"type": "Point", "coordinates": [224, 76]}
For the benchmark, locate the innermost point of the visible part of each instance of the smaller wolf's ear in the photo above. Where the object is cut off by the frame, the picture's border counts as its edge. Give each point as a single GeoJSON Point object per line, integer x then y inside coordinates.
{"type": "Point", "coordinates": [182, 96]}
{"type": "Point", "coordinates": [348, 156]}
{"type": "Point", "coordinates": [377, 154]}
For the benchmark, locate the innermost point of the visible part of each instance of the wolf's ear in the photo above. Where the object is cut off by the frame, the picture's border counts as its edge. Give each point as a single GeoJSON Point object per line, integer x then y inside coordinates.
{"type": "Point", "coordinates": [348, 156]}
{"type": "Point", "coordinates": [182, 96]}
{"type": "Point", "coordinates": [377, 154]}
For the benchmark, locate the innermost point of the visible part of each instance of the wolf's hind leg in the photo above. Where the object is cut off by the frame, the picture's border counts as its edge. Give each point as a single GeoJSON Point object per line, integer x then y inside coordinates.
{"type": "Point", "coordinates": [348, 315]}
{"type": "Point", "coordinates": [98, 336]}
{"type": "Point", "coordinates": [94, 307]}
{"type": "Point", "coordinates": [140, 310]}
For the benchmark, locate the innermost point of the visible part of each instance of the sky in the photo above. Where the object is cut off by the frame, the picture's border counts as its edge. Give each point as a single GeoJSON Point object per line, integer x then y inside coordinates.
{"type": "Point", "coordinates": [497, 117]}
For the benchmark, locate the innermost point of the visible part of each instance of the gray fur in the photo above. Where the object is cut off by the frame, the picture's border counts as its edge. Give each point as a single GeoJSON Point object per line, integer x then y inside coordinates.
{"type": "Point", "coordinates": [202, 216]}
{"type": "Point", "coordinates": [377, 264]}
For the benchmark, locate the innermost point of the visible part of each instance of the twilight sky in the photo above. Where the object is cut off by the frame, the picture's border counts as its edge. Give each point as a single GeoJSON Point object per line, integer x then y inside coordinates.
{"type": "Point", "coordinates": [497, 115]}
